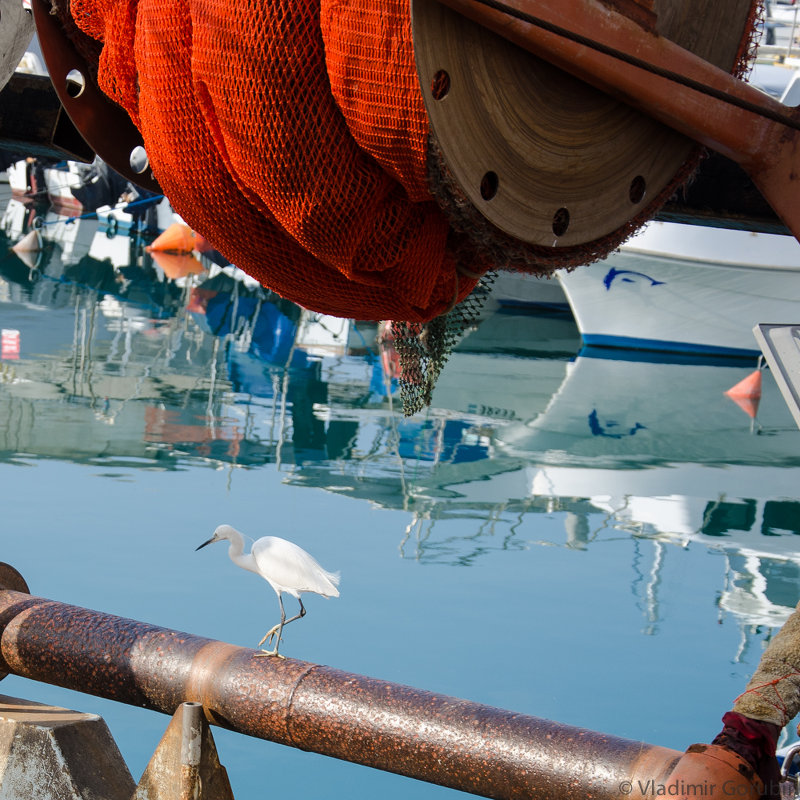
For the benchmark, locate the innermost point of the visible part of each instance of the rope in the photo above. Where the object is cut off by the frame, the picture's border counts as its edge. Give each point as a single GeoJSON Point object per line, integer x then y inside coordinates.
{"type": "Point", "coordinates": [773, 693]}
{"type": "Point", "coordinates": [661, 72]}
{"type": "Point", "coordinates": [778, 704]}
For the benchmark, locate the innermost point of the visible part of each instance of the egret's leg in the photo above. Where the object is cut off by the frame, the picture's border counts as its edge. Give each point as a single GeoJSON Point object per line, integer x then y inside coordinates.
{"type": "Point", "coordinates": [275, 630]}
{"type": "Point", "coordinates": [283, 623]}
{"type": "Point", "coordinates": [278, 629]}
{"type": "Point", "coordinates": [297, 616]}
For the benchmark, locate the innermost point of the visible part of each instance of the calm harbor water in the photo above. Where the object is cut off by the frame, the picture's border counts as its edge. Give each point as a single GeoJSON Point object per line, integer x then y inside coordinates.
{"type": "Point", "coordinates": [604, 541]}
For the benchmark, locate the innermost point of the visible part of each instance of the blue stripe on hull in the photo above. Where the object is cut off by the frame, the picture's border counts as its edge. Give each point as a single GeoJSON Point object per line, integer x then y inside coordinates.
{"type": "Point", "coordinates": [663, 357]}
{"type": "Point", "coordinates": [632, 343]}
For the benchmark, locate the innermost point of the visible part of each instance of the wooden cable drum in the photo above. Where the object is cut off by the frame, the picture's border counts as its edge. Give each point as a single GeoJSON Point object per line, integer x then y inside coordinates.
{"type": "Point", "coordinates": [550, 162]}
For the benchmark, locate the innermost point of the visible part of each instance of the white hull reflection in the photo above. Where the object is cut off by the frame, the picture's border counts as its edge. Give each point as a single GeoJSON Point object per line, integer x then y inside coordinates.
{"type": "Point", "coordinates": [684, 288]}
{"type": "Point", "coordinates": [669, 457]}
{"type": "Point", "coordinates": [518, 290]}
{"type": "Point", "coordinates": [59, 182]}
{"type": "Point", "coordinates": [74, 240]}
{"type": "Point", "coordinates": [627, 413]}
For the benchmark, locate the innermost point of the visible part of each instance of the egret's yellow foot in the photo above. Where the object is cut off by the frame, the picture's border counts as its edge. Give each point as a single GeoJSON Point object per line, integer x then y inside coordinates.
{"type": "Point", "coordinates": [268, 636]}
{"type": "Point", "coordinates": [269, 654]}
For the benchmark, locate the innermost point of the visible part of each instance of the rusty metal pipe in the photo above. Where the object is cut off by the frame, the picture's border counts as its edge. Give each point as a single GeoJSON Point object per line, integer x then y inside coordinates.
{"type": "Point", "coordinates": [431, 737]}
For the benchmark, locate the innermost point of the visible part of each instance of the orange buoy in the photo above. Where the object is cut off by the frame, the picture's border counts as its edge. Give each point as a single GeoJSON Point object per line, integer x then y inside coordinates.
{"type": "Point", "coordinates": [177, 238]}
{"type": "Point", "coordinates": [177, 265]}
{"type": "Point", "coordinates": [750, 387]}
{"type": "Point", "coordinates": [747, 393]}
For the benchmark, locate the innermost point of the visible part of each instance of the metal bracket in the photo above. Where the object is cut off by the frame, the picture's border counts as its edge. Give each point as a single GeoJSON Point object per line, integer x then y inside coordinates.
{"type": "Point", "coordinates": [11, 579]}
{"type": "Point", "coordinates": [789, 783]}
{"type": "Point", "coordinates": [185, 763]}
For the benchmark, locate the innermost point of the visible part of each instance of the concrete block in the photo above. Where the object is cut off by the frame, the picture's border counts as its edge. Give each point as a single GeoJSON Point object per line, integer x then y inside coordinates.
{"type": "Point", "coordinates": [51, 753]}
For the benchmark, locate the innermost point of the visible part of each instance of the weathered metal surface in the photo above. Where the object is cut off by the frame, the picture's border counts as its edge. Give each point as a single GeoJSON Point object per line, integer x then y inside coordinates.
{"type": "Point", "coordinates": [51, 753]}
{"type": "Point", "coordinates": [671, 84]}
{"type": "Point", "coordinates": [105, 125]}
{"type": "Point", "coordinates": [16, 32]}
{"type": "Point", "coordinates": [431, 737]}
{"type": "Point", "coordinates": [570, 165]}
{"type": "Point", "coordinates": [185, 765]}
{"type": "Point", "coordinates": [642, 11]}
{"type": "Point", "coordinates": [716, 772]}
{"type": "Point", "coordinates": [12, 579]}
{"type": "Point", "coordinates": [33, 121]}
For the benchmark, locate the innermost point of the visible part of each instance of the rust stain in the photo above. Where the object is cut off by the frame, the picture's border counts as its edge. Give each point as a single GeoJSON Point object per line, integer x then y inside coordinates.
{"type": "Point", "coordinates": [642, 12]}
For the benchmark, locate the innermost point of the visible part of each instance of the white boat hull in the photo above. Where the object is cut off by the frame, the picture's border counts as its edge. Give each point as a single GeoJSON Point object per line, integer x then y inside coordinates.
{"type": "Point", "coordinates": [702, 293]}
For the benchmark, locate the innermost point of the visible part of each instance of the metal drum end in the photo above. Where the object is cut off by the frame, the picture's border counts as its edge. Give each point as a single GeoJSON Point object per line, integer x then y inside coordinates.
{"type": "Point", "coordinates": [11, 579]}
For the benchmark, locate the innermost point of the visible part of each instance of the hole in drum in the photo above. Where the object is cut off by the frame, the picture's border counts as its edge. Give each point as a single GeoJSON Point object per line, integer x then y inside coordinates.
{"type": "Point", "coordinates": [637, 190]}
{"type": "Point", "coordinates": [561, 222]}
{"type": "Point", "coordinates": [75, 83]}
{"type": "Point", "coordinates": [138, 160]}
{"type": "Point", "coordinates": [489, 185]}
{"type": "Point", "coordinates": [440, 85]}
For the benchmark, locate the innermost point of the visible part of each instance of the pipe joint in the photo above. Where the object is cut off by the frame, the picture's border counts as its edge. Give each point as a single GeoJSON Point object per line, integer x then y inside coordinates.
{"type": "Point", "coordinates": [707, 772]}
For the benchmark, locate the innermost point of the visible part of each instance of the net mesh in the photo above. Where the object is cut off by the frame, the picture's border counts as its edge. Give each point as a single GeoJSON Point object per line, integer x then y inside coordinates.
{"type": "Point", "coordinates": [261, 151]}
{"type": "Point", "coordinates": [423, 348]}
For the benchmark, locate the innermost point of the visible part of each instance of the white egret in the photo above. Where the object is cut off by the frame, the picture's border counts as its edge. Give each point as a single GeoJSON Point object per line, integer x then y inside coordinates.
{"type": "Point", "coordinates": [286, 568]}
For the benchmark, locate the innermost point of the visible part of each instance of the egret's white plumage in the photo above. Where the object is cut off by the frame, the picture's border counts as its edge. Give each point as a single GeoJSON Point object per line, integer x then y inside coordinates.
{"type": "Point", "coordinates": [285, 566]}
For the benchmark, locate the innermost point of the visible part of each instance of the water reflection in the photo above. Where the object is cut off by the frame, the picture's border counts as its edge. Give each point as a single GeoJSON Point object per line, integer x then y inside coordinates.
{"type": "Point", "coordinates": [117, 360]}
{"type": "Point", "coordinates": [114, 358]}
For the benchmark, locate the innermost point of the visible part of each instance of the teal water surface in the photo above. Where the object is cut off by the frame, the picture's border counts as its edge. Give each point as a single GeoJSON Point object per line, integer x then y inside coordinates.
{"type": "Point", "coordinates": [605, 542]}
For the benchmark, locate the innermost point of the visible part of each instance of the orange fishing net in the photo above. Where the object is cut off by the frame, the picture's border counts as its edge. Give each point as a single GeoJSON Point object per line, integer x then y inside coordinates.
{"type": "Point", "coordinates": [299, 154]}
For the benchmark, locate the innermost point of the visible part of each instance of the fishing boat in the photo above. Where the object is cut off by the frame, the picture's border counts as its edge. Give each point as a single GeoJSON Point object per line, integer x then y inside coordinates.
{"type": "Point", "coordinates": [51, 183]}
{"type": "Point", "coordinates": [686, 288]}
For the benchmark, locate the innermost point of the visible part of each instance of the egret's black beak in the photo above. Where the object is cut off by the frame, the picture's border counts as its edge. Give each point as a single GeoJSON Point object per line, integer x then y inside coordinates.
{"type": "Point", "coordinates": [204, 544]}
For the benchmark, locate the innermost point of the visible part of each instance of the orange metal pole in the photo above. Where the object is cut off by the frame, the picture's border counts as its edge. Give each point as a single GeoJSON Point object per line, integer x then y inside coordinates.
{"type": "Point", "coordinates": [766, 147]}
